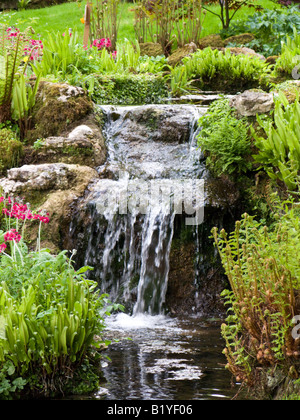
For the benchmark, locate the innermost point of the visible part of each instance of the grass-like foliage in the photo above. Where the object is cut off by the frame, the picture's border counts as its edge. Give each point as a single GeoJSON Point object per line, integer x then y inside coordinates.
{"type": "Point", "coordinates": [224, 140]}
{"type": "Point", "coordinates": [279, 148]}
{"type": "Point", "coordinates": [289, 59]}
{"type": "Point", "coordinates": [220, 70]}
{"type": "Point", "coordinates": [51, 315]}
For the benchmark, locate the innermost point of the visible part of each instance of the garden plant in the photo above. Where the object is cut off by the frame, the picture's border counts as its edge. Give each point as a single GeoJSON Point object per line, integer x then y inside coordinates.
{"type": "Point", "coordinates": [52, 316]}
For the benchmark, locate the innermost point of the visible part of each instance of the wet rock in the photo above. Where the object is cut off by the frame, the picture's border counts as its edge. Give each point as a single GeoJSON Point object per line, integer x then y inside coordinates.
{"type": "Point", "coordinates": [165, 123]}
{"type": "Point", "coordinates": [250, 103]}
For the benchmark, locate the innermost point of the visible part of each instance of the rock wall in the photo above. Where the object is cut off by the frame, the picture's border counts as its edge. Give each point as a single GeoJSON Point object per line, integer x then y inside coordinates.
{"type": "Point", "coordinates": [65, 147]}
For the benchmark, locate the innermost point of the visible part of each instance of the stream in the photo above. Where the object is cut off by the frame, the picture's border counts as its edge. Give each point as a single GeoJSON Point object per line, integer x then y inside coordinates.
{"type": "Point", "coordinates": [128, 239]}
{"type": "Point", "coordinates": [166, 359]}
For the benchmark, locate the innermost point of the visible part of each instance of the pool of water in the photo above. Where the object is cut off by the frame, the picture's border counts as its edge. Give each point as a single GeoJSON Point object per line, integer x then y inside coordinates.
{"type": "Point", "coordinates": [162, 358]}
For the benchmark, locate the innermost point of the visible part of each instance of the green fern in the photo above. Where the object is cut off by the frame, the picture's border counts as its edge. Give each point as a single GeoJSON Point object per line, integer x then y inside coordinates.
{"type": "Point", "coordinates": [11, 54]}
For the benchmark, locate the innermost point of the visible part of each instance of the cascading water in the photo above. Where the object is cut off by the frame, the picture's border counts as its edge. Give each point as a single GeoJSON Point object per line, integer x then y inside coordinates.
{"type": "Point", "coordinates": [149, 146]}
{"type": "Point", "coordinates": [129, 237]}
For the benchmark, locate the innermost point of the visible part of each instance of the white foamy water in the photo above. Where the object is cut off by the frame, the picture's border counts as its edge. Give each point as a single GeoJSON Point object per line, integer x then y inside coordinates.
{"type": "Point", "coordinates": [121, 322]}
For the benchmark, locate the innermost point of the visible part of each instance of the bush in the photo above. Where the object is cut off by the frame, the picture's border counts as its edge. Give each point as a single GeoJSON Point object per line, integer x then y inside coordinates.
{"type": "Point", "coordinates": [51, 316]}
{"type": "Point", "coordinates": [11, 149]}
{"type": "Point", "coordinates": [224, 140]}
{"type": "Point", "coordinates": [270, 27]}
{"type": "Point", "coordinates": [218, 70]}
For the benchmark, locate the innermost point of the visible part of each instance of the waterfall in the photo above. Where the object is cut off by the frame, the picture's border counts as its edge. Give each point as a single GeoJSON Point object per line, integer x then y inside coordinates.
{"type": "Point", "coordinates": [151, 150]}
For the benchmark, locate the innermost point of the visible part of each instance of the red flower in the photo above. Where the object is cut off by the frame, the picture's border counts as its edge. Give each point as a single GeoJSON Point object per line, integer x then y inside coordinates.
{"type": "Point", "coordinates": [2, 248]}
{"type": "Point", "coordinates": [12, 235]}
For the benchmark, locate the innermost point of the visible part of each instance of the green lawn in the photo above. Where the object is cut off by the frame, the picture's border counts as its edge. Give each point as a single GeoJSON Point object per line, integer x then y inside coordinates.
{"type": "Point", "coordinates": [62, 17]}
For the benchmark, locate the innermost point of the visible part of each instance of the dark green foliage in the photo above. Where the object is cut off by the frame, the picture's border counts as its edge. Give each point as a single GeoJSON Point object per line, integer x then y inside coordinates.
{"type": "Point", "coordinates": [270, 28]}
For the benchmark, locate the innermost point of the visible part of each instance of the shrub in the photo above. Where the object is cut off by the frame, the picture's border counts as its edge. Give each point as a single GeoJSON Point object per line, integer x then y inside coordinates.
{"type": "Point", "coordinates": [224, 140]}
{"type": "Point", "coordinates": [10, 149]}
{"type": "Point", "coordinates": [270, 28]}
{"type": "Point", "coordinates": [169, 21]}
{"type": "Point", "coordinates": [105, 20]}
{"type": "Point", "coordinates": [50, 314]}
{"type": "Point", "coordinates": [264, 276]}
{"type": "Point", "coordinates": [213, 69]}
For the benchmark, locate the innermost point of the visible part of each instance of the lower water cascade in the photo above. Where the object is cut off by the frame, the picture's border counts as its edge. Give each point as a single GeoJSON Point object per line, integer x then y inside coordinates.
{"type": "Point", "coordinates": [126, 229]}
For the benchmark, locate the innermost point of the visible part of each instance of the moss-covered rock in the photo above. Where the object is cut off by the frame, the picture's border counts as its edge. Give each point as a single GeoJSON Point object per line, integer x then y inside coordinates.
{"type": "Point", "coordinates": [241, 39]}
{"type": "Point", "coordinates": [213, 41]}
{"type": "Point", "coordinates": [11, 150]}
{"type": "Point", "coordinates": [290, 88]}
{"type": "Point", "coordinates": [58, 105]}
{"type": "Point", "coordinates": [152, 49]}
{"type": "Point", "coordinates": [180, 53]}
{"type": "Point", "coordinates": [272, 59]}
{"type": "Point", "coordinates": [83, 145]}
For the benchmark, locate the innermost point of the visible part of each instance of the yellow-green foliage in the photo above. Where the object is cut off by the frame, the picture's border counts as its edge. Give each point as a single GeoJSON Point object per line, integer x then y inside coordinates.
{"type": "Point", "coordinates": [263, 272]}
{"type": "Point", "coordinates": [279, 150]}
{"type": "Point", "coordinates": [219, 69]}
{"type": "Point", "coordinates": [10, 149]}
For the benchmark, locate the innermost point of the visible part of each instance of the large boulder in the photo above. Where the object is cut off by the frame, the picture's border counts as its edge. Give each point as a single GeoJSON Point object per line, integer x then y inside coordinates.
{"type": "Point", "coordinates": [58, 105]}
{"type": "Point", "coordinates": [164, 123]}
{"type": "Point", "coordinates": [251, 102]}
{"type": "Point", "coordinates": [246, 51]}
{"type": "Point", "coordinates": [83, 145]}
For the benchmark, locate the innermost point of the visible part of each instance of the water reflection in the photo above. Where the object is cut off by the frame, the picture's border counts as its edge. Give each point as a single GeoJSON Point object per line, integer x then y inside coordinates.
{"type": "Point", "coordinates": [166, 359]}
